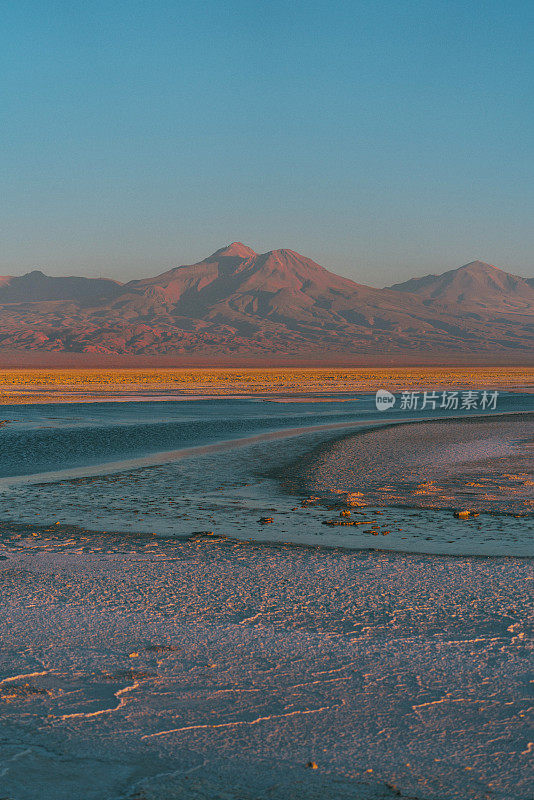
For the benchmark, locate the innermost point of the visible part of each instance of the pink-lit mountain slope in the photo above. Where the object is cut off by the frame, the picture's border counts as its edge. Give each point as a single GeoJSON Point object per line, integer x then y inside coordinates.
{"type": "Point", "coordinates": [477, 285]}
{"type": "Point", "coordinates": [239, 302]}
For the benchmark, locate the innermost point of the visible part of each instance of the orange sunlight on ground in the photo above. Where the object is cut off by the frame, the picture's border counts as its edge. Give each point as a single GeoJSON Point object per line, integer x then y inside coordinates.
{"type": "Point", "coordinates": [68, 385]}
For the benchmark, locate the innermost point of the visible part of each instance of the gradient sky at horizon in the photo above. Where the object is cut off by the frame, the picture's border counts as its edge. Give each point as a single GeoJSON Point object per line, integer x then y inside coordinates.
{"type": "Point", "coordinates": [383, 139]}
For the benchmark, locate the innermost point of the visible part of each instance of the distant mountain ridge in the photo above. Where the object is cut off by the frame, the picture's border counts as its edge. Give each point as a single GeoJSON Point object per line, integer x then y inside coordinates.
{"type": "Point", "coordinates": [35, 286]}
{"type": "Point", "coordinates": [476, 284]}
{"type": "Point", "coordinates": [280, 302]}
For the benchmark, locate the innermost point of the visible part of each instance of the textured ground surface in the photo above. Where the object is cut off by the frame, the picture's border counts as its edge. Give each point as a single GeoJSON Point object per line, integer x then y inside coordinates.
{"type": "Point", "coordinates": [141, 668]}
{"type": "Point", "coordinates": [485, 464]}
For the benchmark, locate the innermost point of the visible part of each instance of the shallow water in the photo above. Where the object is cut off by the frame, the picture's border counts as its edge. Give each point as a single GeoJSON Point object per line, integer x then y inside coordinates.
{"type": "Point", "coordinates": [42, 438]}
{"type": "Point", "coordinates": [215, 482]}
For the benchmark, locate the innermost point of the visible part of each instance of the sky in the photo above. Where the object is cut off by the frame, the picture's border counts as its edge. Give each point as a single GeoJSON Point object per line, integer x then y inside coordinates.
{"type": "Point", "coordinates": [382, 139]}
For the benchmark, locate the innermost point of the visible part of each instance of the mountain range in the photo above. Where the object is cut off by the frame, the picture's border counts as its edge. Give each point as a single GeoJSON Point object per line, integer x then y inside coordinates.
{"type": "Point", "coordinates": [237, 301]}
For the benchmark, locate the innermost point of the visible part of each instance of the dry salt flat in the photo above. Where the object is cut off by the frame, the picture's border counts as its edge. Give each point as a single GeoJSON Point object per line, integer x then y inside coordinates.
{"type": "Point", "coordinates": [143, 668]}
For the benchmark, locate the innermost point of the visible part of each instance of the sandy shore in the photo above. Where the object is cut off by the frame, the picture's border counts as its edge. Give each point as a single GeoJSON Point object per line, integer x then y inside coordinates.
{"type": "Point", "coordinates": [483, 463]}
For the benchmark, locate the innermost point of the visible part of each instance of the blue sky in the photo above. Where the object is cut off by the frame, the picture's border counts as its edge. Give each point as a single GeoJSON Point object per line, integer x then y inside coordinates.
{"type": "Point", "coordinates": [383, 139]}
